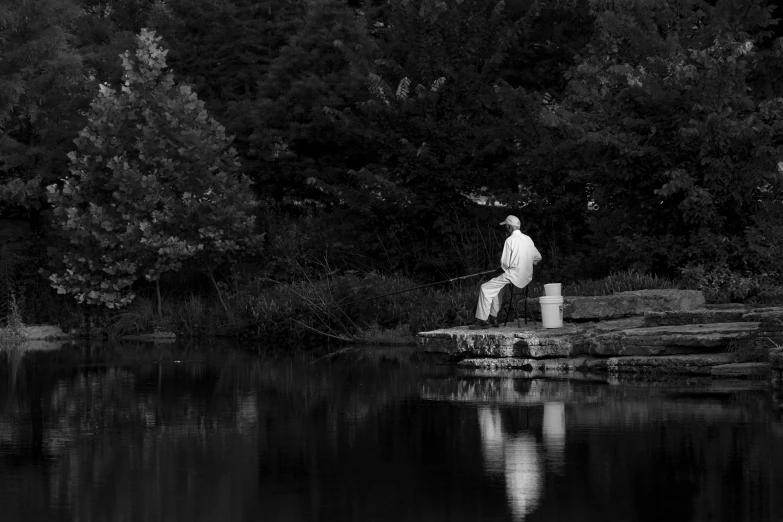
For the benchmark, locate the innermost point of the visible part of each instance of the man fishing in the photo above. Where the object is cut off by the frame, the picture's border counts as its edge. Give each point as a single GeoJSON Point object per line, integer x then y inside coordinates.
{"type": "Point", "coordinates": [519, 256]}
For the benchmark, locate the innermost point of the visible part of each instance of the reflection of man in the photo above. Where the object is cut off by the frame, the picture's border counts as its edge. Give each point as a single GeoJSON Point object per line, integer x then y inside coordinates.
{"type": "Point", "coordinates": [524, 475]}
{"type": "Point", "coordinates": [516, 457]}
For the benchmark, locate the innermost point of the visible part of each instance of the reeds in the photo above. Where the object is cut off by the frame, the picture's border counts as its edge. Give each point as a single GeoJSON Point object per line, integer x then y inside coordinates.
{"type": "Point", "coordinates": [346, 307]}
{"type": "Point", "coordinates": [623, 281]}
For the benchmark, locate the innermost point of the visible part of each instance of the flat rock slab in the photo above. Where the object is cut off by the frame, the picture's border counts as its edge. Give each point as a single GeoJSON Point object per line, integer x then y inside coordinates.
{"type": "Point", "coordinates": [622, 337]}
{"type": "Point", "coordinates": [776, 358]}
{"type": "Point", "coordinates": [695, 364]}
{"type": "Point", "coordinates": [43, 332]}
{"type": "Point", "coordinates": [533, 341]}
{"type": "Point", "coordinates": [669, 340]}
{"type": "Point", "coordinates": [749, 369]}
{"type": "Point", "coordinates": [730, 313]}
{"type": "Point", "coordinates": [701, 316]}
{"type": "Point", "coordinates": [627, 304]}
{"type": "Point", "coordinates": [36, 345]}
{"type": "Point", "coordinates": [156, 337]}
{"type": "Point", "coordinates": [769, 318]}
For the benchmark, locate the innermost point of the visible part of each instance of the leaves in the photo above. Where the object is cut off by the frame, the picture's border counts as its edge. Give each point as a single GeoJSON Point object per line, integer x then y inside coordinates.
{"type": "Point", "coordinates": [163, 193]}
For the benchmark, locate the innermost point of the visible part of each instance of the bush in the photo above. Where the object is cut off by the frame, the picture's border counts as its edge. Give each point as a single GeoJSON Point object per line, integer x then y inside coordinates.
{"type": "Point", "coordinates": [720, 284]}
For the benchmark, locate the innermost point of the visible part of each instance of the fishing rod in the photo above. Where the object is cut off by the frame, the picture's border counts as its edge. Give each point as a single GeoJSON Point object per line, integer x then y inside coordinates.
{"type": "Point", "coordinates": [371, 298]}
{"type": "Point", "coordinates": [418, 287]}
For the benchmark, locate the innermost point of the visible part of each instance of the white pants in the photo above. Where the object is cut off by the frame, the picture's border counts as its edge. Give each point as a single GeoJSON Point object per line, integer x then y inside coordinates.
{"type": "Point", "coordinates": [489, 297]}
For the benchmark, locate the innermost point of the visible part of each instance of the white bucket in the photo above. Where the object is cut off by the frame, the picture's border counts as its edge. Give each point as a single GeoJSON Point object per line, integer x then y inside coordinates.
{"type": "Point", "coordinates": [552, 290]}
{"type": "Point", "coordinates": [551, 311]}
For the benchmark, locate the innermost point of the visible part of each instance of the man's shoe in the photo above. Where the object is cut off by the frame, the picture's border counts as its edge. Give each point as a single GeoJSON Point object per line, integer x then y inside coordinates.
{"type": "Point", "coordinates": [493, 321]}
{"type": "Point", "coordinates": [479, 325]}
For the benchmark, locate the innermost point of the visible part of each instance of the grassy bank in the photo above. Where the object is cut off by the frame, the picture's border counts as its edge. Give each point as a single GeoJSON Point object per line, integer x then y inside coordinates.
{"type": "Point", "coordinates": [342, 308]}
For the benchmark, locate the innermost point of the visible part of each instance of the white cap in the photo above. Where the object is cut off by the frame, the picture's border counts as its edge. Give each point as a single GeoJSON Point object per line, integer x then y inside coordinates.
{"type": "Point", "coordinates": [512, 220]}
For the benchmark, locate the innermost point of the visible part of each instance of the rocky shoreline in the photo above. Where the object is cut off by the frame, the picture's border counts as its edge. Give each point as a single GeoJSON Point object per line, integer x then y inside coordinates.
{"type": "Point", "coordinates": [649, 332]}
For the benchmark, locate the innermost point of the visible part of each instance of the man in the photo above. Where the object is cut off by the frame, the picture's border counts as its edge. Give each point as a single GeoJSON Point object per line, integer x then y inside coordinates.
{"type": "Point", "coordinates": [519, 256]}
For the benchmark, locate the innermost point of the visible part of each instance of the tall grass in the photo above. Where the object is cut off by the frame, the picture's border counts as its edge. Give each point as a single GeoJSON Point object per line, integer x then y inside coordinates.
{"type": "Point", "coordinates": [338, 307]}
{"type": "Point", "coordinates": [623, 281]}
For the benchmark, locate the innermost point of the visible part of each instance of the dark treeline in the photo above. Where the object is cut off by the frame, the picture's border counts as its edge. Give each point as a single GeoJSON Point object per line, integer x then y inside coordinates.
{"type": "Point", "coordinates": [391, 136]}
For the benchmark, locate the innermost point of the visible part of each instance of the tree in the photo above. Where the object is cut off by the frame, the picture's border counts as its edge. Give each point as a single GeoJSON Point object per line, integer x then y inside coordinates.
{"type": "Point", "coordinates": [39, 75]}
{"type": "Point", "coordinates": [680, 155]}
{"type": "Point", "coordinates": [299, 129]}
{"type": "Point", "coordinates": [154, 186]}
{"type": "Point", "coordinates": [442, 128]}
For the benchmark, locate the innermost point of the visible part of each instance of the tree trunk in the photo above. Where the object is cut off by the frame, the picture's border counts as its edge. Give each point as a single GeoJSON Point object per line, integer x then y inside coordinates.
{"type": "Point", "coordinates": [217, 289]}
{"type": "Point", "coordinates": [160, 301]}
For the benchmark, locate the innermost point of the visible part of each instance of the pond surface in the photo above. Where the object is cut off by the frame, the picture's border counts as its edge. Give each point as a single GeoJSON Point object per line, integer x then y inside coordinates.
{"type": "Point", "coordinates": [197, 433]}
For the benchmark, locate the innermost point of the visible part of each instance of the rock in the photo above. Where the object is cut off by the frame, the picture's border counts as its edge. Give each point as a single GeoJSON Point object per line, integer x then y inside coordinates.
{"type": "Point", "coordinates": [702, 316]}
{"type": "Point", "coordinates": [776, 358]}
{"type": "Point", "coordinates": [770, 329]}
{"type": "Point", "coordinates": [748, 369]}
{"type": "Point", "coordinates": [43, 332]}
{"type": "Point", "coordinates": [534, 341]}
{"type": "Point", "coordinates": [669, 340]}
{"type": "Point", "coordinates": [39, 345]}
{"type": "Point", "coordinates": [607, 338]}
{"type": "Point", "coordinates": [626, 304]}
{"type": "Point", "coordinates": [678, 364]}
{"type": "Point", "coordinates": [157, 337]}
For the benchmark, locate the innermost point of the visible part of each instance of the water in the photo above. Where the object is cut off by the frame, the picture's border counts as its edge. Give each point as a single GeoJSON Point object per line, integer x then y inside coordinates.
{"type": "Point", "coordinates": [167, 433]}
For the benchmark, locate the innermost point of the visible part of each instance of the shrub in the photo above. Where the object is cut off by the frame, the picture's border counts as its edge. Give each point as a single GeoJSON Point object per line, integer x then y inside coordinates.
{"type": "Point", "coordinates": [720, 284]}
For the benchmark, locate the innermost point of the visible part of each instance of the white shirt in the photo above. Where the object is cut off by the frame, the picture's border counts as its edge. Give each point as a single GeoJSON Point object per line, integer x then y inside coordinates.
{"type": "Point", "coordinates": [519, 254]}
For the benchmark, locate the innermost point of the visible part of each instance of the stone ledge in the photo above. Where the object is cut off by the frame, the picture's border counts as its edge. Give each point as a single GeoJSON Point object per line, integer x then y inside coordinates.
{"type": "Point", "coordinates": [670, 340]}
{"type": "Point", "coordinates": [534, 341]}
{"type": "Point", "coordinates": [43, 332]}
{"type": "Point", "coordinates": [776, 358]}
{"type": "Point", "coordinates": [609, 338]}
{"type": "Point", "coordinates": [156, 337]}
{"type": "Point", "coordinates": [627, 304]}
{"type": "Point", "coordinates": [749, 369]}
{"type": "Point", "coordinates": [678, 364]}
{"type": "Point", "coordinates": [702, 316]}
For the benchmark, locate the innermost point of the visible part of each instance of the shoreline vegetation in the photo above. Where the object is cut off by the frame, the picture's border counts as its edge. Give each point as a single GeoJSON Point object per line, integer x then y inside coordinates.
{"type": "Point", "coordinates": [310, 313]}
{"type": "Point", "coordinates": [226, 169]}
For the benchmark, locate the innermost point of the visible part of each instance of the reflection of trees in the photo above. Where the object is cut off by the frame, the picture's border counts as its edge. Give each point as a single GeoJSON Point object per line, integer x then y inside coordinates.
{"type": "Point", "coordinates": [165, 433]}
{"type": "Point", "coordinates": [223, 435]}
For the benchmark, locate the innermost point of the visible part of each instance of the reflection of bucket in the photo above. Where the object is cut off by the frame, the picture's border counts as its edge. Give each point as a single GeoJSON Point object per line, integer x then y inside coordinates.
{"type": "Point", "coordinates": [551, 311]}
{"type": "Point", "coordinates": [552, 290]}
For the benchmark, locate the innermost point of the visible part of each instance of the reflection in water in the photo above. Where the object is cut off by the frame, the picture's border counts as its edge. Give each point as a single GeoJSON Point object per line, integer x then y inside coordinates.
{"type": "Point", "coordinates": [518, 456]}
{"type": "Point", "coordinates": [554, 431]}
{"type": "Point", "coordinates": [160, 433]}
{"type": "Point", "coordinates": [524, 474]}
{"type": "Point", "coordinates": [492, 439]}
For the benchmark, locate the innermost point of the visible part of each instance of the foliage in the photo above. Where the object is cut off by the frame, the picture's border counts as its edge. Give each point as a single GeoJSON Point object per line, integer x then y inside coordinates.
{"type": "Point", "coordinates": [748, 350]}
{"type": "Point", "coordinates": [153, 187]}
{"type": "Point", "coordinates": [298, 137]}
{"type": "Point", "coordinates": [39, 75]}
{"type": "Point", "coordinates": [447, 129]}
{"type": "Point", "coordinates": [623, 281]}
{"type": "Point", "coordinates": [720, 284]}
{"type": "Point", "coordinates": [225, 48]}
{"type": "Point", "coordinates": [679, 154]}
